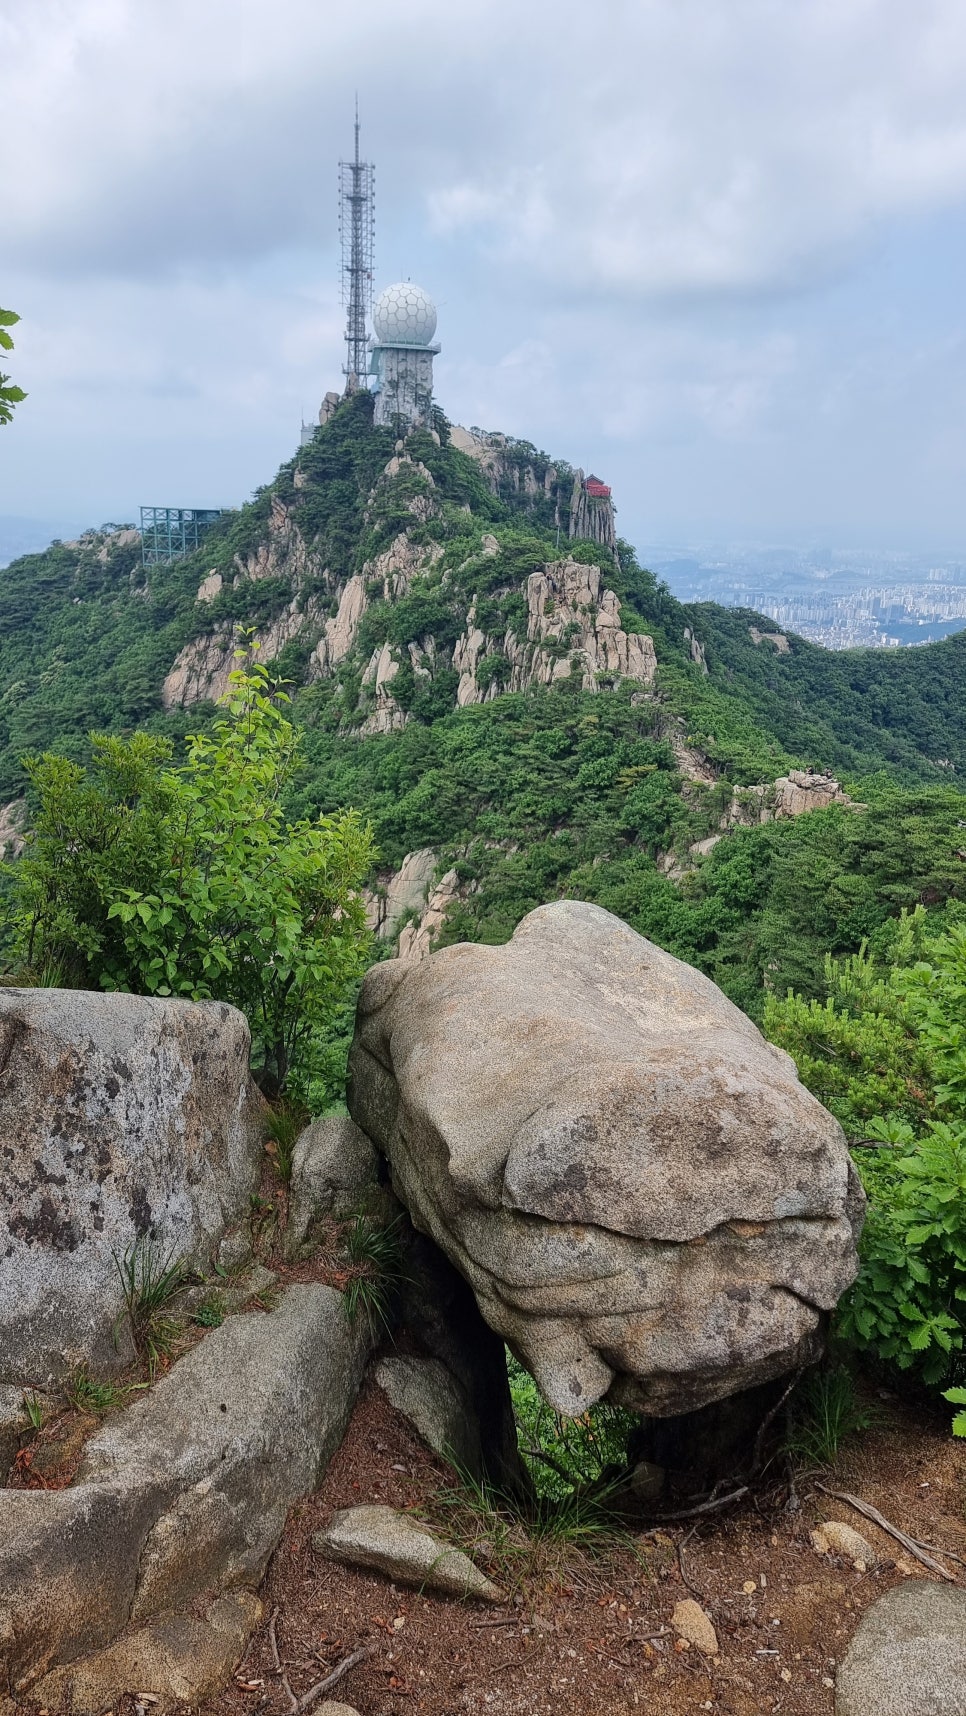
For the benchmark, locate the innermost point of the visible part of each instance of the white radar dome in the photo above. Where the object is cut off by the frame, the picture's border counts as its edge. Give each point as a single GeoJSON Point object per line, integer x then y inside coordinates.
{"type": "Point", "coordinates": [404, 314]}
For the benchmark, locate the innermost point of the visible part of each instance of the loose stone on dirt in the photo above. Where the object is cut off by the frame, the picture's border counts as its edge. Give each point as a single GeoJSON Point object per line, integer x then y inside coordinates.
{"type": "Point", "coordinates": [690, 1622]}
{"type": "Point", "coordinates": [834, 1537]}
{"type": "Point", "coordinates": [391, 1543]}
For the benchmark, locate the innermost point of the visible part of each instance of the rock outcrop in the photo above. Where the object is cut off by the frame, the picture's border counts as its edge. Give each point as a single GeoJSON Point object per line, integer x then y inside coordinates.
{"type": "Point", "coordinates": [573, 630]}
{"type": "Point", "coordinates": [182, 1494]}
{"type": "Point", "coordinates": [340, 631]}
{"type": "Point", "coordinates": [386, 716]}
{"type": "Point", "coordinates": [416, 939]}
{"type": "Point", "coordinates": [124, 1119]}
{"type": "Point", "coordinates": [592, 514]}
{"type": "Point", "coordinates": [283, 552]}
{"type": "Point", "coordinates": [647, 1203]}
{"type": "Point", "coordinates": [400, 892]}
{"type": "Point", "coordinates": [12, 822]}
{"type": "Point", "coordinates": [202, 670]}
{"type": "Point", "coordinates": [778, 640]}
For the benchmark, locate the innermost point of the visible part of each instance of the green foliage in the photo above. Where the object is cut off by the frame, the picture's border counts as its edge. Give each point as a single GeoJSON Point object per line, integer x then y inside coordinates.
{"type": "Point", "coordinates": [191, 882]}
{"type": "Point", "coordinates": [957, 1397]}
{"type": "Point", "coordinates": [904, 1028]}
{"type": "Point", "coordinates": [824, 1413]}
{"type": "Point", "coordinates": [212, 1311]}
{"type": "Point", "coordinates": [34, 1408]}
{"type": "Point", "coordinates": [566, 1455]}
{"type": "Point", "coordinates": [286, 1123]}
{"type": "Point", "coordinates": [151, 1284]}
{"type": "Point", "coordinates": [374, 1252]}
{"type": "Point", "coordinates": [9, 394]}
{"type": "Point", "coordinates": [85, 1393]}
{"type": "Point", "coordinates": [857, 710]}
{"type": "Point", "coordinates": [859, 1050]}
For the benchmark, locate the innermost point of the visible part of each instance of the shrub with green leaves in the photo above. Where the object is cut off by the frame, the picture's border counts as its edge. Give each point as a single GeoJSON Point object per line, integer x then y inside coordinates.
{"type": "Point", "coordinates": [10, 395]}
{"type": "Point", "coordinates": [190, 881]}
{"type": "Point", "coordinates": [563, 1456]}
{"type": "Point", "coordinates": [901, 1032]}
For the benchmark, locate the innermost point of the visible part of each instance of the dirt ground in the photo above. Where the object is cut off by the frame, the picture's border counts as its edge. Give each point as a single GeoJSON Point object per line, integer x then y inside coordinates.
{"type": "Point", "coordinates": [590, 1633]}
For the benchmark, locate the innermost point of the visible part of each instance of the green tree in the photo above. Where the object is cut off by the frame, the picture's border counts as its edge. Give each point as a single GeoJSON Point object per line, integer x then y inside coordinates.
{"type": "Point", "coordinates": [189, 881]}
{"type": "Point", "coordinates": [9, 395]}
{"type": "Point", "coordinates": [887, 1052]}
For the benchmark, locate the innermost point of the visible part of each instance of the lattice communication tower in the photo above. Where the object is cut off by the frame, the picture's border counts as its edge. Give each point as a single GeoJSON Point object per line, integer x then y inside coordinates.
{"type": "Point", "coordinates": [357, 222]}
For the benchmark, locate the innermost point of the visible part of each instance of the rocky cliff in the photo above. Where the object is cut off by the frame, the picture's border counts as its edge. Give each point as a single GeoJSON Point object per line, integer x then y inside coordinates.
{"type": "Point", "coordinates": [382, 623]}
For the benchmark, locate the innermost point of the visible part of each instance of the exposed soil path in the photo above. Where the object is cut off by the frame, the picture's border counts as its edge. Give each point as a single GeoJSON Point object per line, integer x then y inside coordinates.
{"type": "Point", "coordinates": [590, 1635]}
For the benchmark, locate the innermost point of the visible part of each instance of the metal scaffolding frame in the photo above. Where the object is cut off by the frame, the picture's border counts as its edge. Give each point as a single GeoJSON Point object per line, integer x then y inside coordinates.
{"type": "Point", "coordinates": [357, 218]}
{"type": "Point", "coordinates": [171, 532]}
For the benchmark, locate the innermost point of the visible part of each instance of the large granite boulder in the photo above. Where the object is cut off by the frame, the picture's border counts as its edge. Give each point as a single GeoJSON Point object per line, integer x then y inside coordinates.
{"type": "Point", "coordinates": [908, 1657]}
{"type": "Point", "coordinates": [647, 1203]}
{"type": "Point", "coordinates": [181, 1495]}
{"type": "Point", "coordinates": [121, 1119]}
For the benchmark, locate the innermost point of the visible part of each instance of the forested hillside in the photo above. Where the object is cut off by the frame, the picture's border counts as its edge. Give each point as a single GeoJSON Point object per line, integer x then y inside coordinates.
{"type": "Point", "coordinates": [533, 707]}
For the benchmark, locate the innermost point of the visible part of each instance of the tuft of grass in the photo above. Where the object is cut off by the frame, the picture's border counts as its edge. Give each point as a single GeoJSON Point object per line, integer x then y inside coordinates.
{"type": "Point", "coordinates": [374, 1251]}
{"type": "Point", "coordinates": [519, 1543]}
{"type": "Point", "coordinates": [285, 1126]}
{"type": "Point", "coordinates": [34, 1408]}
{"type": "Point", "coordinates": [85, 1394]}
{"type": "Point", "coordinates": [151, 1284]}
{"type": "Point", "coordinates": [824, 1413]}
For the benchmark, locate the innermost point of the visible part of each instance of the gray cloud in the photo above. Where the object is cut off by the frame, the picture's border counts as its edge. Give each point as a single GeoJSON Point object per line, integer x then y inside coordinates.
{"type": "Point", "coordinates": [656, 229]}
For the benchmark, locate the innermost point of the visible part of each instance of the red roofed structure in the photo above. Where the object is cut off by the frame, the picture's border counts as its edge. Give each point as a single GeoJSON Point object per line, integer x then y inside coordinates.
{"type": "Point", "coordinates": [596, 489]}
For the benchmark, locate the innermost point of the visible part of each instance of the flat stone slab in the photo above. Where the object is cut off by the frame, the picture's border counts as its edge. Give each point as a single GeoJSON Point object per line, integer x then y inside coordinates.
{"type": "Point", "coordinates": [388, 1542]}
{"type": "Point", "coordinates": [184, 1491]}
{"type": "Point", "coordinates": [908, 1657]}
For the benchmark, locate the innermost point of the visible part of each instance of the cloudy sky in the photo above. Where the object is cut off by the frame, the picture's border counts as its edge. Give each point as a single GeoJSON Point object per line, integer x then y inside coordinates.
{"type": "Point", "coordinates": [713, 249]}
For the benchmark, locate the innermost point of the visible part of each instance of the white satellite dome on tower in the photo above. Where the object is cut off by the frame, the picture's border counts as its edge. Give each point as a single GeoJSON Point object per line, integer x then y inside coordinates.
{"type": "Point", "coordinates": [404, 315]}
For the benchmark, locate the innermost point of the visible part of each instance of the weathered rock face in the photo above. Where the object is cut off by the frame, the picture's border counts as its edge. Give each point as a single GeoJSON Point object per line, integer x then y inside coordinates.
{"type": "Point", "coordinates": [592, 517]}
{"type": "Point", "coordinates": [573, 630]}
{"type": "Point", "coordinates": [202, 670]}
{"type": "Point", "coordinates": [122, 1118]}
{"type": "Point", "coordinates": [182, 1494]}
{"type": "Point", "coordinates": [386, 717]}
{"type": "Point", "coordinates": [416, 940]}
{"type": "Point", "coordinates": [646, 1202]}
{"type": "Point", "coordinates": [333, 1166]}
{"type": "Point", "coordinates": [12, 819]}
{"type": "Point", "coordinates": [401, 891]}
{"type": "Point", "coordinates": [284, 553]}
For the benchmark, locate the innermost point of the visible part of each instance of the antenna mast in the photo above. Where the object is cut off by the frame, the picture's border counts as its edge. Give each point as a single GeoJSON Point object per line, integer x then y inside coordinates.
{"type": "Point", "coordinates": [357, 232]}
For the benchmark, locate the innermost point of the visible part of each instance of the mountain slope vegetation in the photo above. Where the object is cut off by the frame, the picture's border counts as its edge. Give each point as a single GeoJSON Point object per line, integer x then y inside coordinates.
{"type": "Point", "coordinates": [535, 708]}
